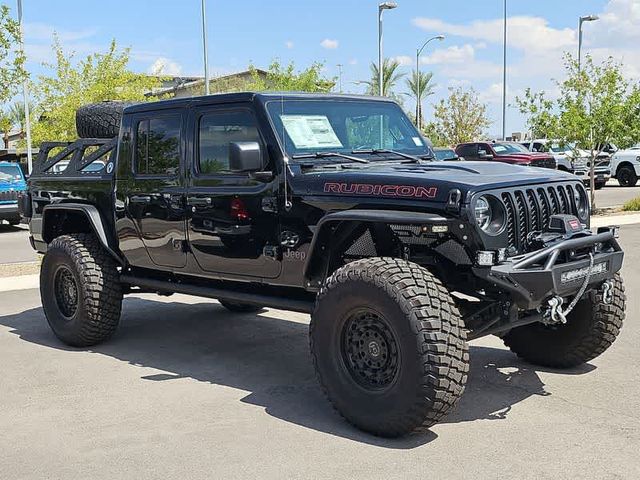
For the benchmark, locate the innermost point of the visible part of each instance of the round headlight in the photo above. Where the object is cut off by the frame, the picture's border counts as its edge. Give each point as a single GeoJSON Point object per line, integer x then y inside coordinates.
{"type": "Point", "coordinates": [490, 214]}
{"type": "Point", "coordinates": [582, 203]}
{"type": "Point", "coordinates": [483, 212]}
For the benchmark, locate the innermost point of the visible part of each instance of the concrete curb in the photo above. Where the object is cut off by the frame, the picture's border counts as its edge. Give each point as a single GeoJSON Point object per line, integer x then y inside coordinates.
{"type": "Point", "coordinates": [620, 219]}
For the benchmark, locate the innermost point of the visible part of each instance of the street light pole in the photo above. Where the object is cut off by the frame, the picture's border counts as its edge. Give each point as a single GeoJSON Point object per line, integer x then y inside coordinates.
{"type": "Point", "coordinates": [504, 74]}
{"type": "Point", "coordinates": [340, 77]}
{"type": "Point", "coordinates": [418, 92]}
{"type": "Point", "coordinates": [25, 96]}
{"type": "Point", "coordinates": [204, 44]}
{"type": "Point", "coordinates": [382, 7]}
{"type": "Point", "coordinates": [586, 18]}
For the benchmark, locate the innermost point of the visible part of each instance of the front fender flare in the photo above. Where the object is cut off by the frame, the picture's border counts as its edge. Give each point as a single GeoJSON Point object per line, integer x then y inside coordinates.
{"type": "Point", "coordinates": [318, 249]}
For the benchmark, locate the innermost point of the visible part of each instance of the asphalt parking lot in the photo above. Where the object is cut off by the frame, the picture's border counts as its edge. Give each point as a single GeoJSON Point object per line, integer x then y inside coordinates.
{"type": "Point", "coordinates": [187, 390]}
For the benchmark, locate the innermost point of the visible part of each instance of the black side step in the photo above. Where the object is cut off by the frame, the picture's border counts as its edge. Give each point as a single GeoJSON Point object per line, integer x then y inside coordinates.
{"type": "Point", "coordinates": [294, 305]}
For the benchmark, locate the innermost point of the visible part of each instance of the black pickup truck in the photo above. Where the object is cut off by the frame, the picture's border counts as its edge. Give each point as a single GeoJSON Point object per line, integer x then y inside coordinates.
{"type": "Point", "coordinates": [330, 205]}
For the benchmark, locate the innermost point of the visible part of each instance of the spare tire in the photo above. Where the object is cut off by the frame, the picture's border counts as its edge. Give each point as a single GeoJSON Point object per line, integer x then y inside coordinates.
{"type": "Point", "coordinates": [100, 120]}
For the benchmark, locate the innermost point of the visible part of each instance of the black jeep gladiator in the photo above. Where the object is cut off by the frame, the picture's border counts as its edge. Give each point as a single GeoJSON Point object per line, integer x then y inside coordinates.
{"type": "Point", "coordinates": [329, 205]}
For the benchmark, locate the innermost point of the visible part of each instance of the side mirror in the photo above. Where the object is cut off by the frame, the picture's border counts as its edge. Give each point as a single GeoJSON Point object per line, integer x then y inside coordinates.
{"type": "Point", "coordinates": [484, 155]}
{"type": "Point", "coordinates": [245, 157]}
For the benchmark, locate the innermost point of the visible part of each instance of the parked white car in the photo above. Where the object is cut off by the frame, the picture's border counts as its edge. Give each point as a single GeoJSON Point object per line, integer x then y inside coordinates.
{"type": "Point", "coordinates": [574, 160]}
{"type": "Point", "coordinates": [625, 166]}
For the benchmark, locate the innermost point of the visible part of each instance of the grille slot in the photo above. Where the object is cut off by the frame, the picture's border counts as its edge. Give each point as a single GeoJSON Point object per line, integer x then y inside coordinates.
{"type": "Point", "coordinates": [8, 196]}
{"type": "Point", "coordinates": [529, 210]}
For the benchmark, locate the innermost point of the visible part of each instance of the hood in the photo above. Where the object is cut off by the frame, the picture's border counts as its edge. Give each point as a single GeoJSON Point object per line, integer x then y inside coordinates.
{"type": "Point", "coordinates": [525, 156]}
{"type": "Point", "coordinates": [431, 181]}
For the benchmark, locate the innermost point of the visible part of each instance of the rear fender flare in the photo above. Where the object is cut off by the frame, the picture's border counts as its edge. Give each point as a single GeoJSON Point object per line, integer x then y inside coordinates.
{"type": "Point", "coordinates": [94, 219]}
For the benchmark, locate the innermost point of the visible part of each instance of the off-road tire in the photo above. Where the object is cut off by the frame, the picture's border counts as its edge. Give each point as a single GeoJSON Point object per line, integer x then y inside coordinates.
{"type": "Point", "coordinates": [433, 359]}
{"type": "Point", "coordinates": [238, 307]}
{"type": "Point", "coordinates": [98, 291]}
{"type": "Point", "coordinates": [591, 328]}
{"type": "Point", "coordinates": [100, 120]}
{"type": "Point", "coordinates": [626, 176]}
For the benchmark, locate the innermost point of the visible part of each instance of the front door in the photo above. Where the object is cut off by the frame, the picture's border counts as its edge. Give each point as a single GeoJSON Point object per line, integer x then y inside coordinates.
{"type": "Point", "coordinates": [233, 226]}
{"type": "Point", "coordinates": [154, 198]}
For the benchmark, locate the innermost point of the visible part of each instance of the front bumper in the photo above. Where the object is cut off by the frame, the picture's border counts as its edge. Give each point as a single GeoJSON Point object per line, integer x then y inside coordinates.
{"type": "Point", "coordinates": [9, 211]}
{"type": "Point", "coordinates": [534, 277]}
{"type": "Point", "coordinates": [600, 175]}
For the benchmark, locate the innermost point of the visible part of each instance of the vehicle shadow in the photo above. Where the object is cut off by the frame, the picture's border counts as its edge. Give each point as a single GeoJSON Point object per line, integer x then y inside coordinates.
{"type": "Point", "coordinates": [8, 228]}
{"type": "Point", "coordinates": [269, 357]}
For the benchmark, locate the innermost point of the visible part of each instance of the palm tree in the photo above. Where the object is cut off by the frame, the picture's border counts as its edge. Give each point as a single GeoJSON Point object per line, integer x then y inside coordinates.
{"type": "Point", "coordinates": [421, 87]}
{"type": "Point", "coordinates": [16, 114]}
{"type": "Point", "coordinates": [390, 76]}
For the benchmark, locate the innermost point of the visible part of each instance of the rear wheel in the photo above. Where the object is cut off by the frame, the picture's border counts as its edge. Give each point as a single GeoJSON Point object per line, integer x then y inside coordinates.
{"type": "Point", "coordinates": [389, 346]}
{"type": "Point", "coordinates": [591, 328]}
{"type": "Point", "coordinates": [80, 290]}
{"type": "Point", "coordinates": [626, 176]}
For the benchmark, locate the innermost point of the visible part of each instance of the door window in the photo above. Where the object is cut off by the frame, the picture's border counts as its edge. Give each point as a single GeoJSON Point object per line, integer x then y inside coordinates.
{"type": "Point", "coordinates": [216, 131]}
{"type": "Point", "coordinates": [157, 150]}
{"type": "Point", "coordinates": [468, 150]}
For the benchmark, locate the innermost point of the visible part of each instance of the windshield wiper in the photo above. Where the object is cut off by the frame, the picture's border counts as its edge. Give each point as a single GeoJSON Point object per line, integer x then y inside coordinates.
{"type": "Point", "coordinates": [329, 154]}
{"type": "Point", "coordinates": [381, 151]}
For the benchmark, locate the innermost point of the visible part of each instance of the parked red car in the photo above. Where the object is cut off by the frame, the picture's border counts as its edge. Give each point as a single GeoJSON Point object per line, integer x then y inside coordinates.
{"type": "Point", "coordinates": [507, 152]}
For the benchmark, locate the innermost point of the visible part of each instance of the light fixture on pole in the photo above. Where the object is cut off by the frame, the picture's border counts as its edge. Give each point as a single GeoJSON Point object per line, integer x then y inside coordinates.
{"type": "Point", "coordinates": [586, 18]}
{"type": "Point", "coordinates": [204, 45]}
{"type": "Point", "coordinates": [504, 74]}
{"type": "Point", "coordinates": [381, 8]}
{"type": "Point", "coordinates": [25, 97]}
{"type": "Point", "coordinates": [418, 92]}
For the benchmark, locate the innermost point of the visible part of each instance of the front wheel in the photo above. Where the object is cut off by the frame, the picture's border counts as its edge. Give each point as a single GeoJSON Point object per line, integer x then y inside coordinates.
{"type": "Point", "coordinates": [591, 328]}
{"type": "Point", "coordinates": [389, 346]}
{"type": "Point", "coordinates": [80, 290]}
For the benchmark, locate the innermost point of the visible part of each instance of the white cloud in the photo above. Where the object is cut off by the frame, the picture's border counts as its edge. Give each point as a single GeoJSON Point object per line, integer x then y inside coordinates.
{"type": "Point", "coordinates": [353, 61]}
{"type": "Point", "coordinates": [454, 54]}
{"type": "Point", "coordinates": [329, 43]}
{"type": "Point", "coordinates": [288, 44]}
{"type": "Point", "coordinates": [404, 60]}
{"type": "Point", "coordinates": [164, 66]}
{"type": "Point", "coordinates": [38, 31]}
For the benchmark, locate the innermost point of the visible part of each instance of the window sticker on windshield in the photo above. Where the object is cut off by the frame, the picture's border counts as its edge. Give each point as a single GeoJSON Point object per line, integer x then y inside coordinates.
{"type": "Point", "coordinates": [311, 131]}
{"type": "Point", "coordinates": [417, 141]}
{"type": "Point", "coordinates": [499, 148]}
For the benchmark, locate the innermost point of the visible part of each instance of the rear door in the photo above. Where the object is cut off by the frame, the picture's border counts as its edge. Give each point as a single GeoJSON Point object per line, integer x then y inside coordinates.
{"type": "Point", "coordinates": [154, 198]}
{"type": "Point", "coordinates": [233, 226]}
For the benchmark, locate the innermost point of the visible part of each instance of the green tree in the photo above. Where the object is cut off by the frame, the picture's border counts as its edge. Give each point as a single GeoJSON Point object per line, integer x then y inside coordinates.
{"type": "Point", "coordinates": [287, 79]}
{"type": "Point", "coordinates": [5, 128]}
{"type": "Point", "coordinates": [95, 78]}
{"type": "Point", "coordinates": [420, 86]}
{"type": "Point", "coordinates": [542, 121]}
{"type": "Point", "coordinates": [12, 71]}
{"type": "Point", "coordinates": [461, 117]}
{"type": "Point", "coordinates": [390, 77]}
{"type": "Point", "coordinates": [595, 102]}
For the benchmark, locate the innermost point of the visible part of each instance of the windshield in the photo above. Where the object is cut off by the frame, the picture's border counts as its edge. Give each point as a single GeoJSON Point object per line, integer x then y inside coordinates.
{"type": "Point", "coordinates": [444, 154]}
{"type": "Point", "coordinates": [343, 126]}
{"type": "Point", "coordinates": [556, 148]}
{"type": "Point", "coordinates": [508, 148]}
{"type": "Point", "coordinates": [10, 173]}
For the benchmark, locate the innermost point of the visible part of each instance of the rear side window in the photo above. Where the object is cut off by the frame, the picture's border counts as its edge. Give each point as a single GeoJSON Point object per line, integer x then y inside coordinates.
{"type": "Point", "coordinates": [216, 131]}
{"type": "Point", "coordinates": [468, 150]}
{"type": "Point", "coordinates": [157, 150]}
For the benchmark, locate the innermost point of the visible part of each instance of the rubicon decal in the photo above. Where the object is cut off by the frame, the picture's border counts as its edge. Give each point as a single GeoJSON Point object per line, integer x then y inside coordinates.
{"type": "Point", "coordinates": [380, 190]}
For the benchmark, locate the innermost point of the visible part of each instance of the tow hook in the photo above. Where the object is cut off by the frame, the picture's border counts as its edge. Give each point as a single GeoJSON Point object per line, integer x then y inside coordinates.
{"type": "Point", "coordinates": [555, 310]}
{"type": "Point", "coordinates": [607, 292]}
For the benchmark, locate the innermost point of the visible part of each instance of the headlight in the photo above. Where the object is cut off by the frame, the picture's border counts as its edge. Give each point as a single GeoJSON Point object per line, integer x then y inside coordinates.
{"type": "Point", "coordinates": [582, 203]}
{"type": "Point", "coordinates": [490, 214]}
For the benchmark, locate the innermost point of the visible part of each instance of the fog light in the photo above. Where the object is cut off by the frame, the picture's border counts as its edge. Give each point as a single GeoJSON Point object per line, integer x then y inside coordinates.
{"type": "Point", "coordinates": [485, 259]}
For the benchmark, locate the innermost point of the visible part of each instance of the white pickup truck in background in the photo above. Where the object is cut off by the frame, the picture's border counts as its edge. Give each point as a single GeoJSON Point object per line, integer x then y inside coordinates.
{"type": "Point", "coordinates": [625, 166]}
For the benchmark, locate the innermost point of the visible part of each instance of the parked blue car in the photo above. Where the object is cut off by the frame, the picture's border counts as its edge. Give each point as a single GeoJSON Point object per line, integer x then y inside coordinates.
{"type": "Point", "coordinates": [12, 183]}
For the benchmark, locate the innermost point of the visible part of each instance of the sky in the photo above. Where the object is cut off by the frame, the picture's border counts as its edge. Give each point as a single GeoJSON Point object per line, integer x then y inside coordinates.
{"type": "Point", "coordinates": [167, 35]}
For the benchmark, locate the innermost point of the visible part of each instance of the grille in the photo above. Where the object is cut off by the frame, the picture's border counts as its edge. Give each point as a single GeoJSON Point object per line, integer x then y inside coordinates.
{"type": "Point", "coordinates": [8, 196]}
{"type": "Point", "coordinates": [549, 162]}
{"type": "Point", "coordinates": [529, 209]}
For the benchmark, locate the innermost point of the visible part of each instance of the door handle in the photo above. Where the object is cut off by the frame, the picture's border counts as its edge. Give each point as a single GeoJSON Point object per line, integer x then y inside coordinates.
{"type": "Point", "coordinates": [196, 201]}
{"type": "Point", "coordinates": [140, 199]}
